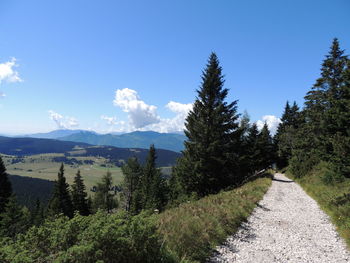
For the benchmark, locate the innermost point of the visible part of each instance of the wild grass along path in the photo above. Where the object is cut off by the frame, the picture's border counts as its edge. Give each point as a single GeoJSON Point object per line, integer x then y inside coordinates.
{"type": "Point", "coordinates": [287, 226]}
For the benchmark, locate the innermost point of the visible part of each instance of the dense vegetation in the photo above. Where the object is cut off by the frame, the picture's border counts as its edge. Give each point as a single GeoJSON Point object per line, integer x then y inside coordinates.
{"type": "Point", "coordinates": [315, 142]}
{"type": "Point", "coordinates": [28, 190]}
{"type": "Point", "coordinates": [206, 197]}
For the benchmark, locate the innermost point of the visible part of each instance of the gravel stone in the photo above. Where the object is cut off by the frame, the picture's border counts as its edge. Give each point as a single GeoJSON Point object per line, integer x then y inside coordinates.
{"type": "Point", "coordinates": [286, 226]}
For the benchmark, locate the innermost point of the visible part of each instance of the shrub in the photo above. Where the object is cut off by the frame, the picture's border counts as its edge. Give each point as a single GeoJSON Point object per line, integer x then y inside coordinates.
{"type": "Point", "coordinates": [96, 238]}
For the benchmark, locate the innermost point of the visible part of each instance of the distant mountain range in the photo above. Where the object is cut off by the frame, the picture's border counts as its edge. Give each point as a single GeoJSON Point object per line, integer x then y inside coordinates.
{"type": "Point", "coordinates": [30, 146]}
{"type": "Point", "coordinates": [53, 134]}
{"type": "Point", "coordinates": [137, 139]}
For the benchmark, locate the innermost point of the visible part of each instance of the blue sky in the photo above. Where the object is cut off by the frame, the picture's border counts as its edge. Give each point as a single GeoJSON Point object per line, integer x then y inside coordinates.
{"type": "Point", "coordinates": [126, 65]}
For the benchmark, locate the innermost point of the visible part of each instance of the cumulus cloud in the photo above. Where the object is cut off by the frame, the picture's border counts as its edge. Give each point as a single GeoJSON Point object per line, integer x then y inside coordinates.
{"type": "Point", "coordinates": [144, 117]}
{"type": "Point", "coordinates": [63, 122]}
{"type": "Point", "coordinates": [271, 121]}
{"type": "Point", "coordinates": [179, 107]}
{"type": "Point", "coordinates": [8, 73]}
{"type": "Point", "coordinates": [109, 120]}
{"type": "Point", "coordinates": [140, 114]}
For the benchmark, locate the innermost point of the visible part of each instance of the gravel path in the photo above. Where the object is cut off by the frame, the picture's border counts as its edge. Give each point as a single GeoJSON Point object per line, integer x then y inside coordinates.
{"type": "Point", "coordinates": [287, 226]}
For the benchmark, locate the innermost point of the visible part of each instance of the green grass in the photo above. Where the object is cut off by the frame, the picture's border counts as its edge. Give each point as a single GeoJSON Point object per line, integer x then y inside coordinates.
{"type": "Point", "coordinates": [41, 166]}
{"type": "Point", "coordinates": [333, 198]}
{"type": "Point", "coordinates": [192, 230]}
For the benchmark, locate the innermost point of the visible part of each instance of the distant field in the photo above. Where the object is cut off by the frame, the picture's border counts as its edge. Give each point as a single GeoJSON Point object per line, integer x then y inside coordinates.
{"type": "Point", "coordinates": [42, 166]}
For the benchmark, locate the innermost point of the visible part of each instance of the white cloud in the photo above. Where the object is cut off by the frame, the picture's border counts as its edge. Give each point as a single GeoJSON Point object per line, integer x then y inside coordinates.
{"type": "Point", "coordinates": [110, 120]}
{"type": "Point", "coordinates": [271, 121]}
{"type": "Point", "coordinates": [63, 122]}
{"type": "Point", "coordinates": [2, 95]}
{"type": "Point", "coordinates": [140, 114]}
{"type": "Point", "coordinates": [179, 107]}
{"type": "Point", "coordinates": [7, 72]}
{"type": "Point", "coordinates": [144, 117]}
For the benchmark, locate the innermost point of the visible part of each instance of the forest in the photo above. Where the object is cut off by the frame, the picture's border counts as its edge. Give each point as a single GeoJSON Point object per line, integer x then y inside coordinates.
{"type": "Point", "coordinates": [223, 153]}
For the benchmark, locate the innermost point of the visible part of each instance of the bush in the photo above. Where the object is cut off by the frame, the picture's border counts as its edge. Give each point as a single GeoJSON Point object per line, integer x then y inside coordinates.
{"type": "Point", "coordinates": [96, 238]}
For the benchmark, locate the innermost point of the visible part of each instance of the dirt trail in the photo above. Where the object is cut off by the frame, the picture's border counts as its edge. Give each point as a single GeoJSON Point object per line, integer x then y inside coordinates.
{"type": "Point", "coordinates": [287, 226]}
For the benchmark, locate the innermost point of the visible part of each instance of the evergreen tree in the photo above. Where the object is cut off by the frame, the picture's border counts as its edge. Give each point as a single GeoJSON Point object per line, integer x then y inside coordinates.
{"type": "Point", "coordinates": [266, 149]}
{"type": "Point", "coordinates": [323, 135]}
{"type": "Point", "coordinates": [285, 136]}
{"type": "Point", "coordinates": [61, 201]}
{"type": "Point", "coordinates": [79, 196]}
{"type": "Point", "coordinates": [154, 190]}
{"type": "Point", "coordinates": [5, 187]}
{"type": "Point", "coordinates": [14, 219]}
{"type": "Point", "coordinates": [210, 156]}
{"type": "Point", "coordinates": [253, 150]}
{"type": "Point", "coordinates": [244, 163]}
{"type": "Point", "coordinates": [104, 199]}
{"type": "Point", "coordinates": [132, 172]}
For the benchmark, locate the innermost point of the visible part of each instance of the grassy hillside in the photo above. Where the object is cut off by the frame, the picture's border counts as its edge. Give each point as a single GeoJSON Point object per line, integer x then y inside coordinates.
{"type": "Point", "coordinates": [32, 146]}
{"type": "Point", "coordinates": [193, 229]}
{"type": "Point", "coordinates": [42, 166]}
{"type": "Point", "coordinates": [333, 197]}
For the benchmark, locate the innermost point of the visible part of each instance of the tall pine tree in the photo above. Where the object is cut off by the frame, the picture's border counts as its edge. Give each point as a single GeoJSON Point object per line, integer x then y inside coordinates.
{"type": "Point", "coordinates": [154, 188]}
{"type": "Point", "coordinates": [132, 172]}
{"type": "Point", "coordinates": [61, 201]}
{"type": "Point", "coordinates": [323, 136]}
{"type": "Point", "coordinates": [210, 158]}
{"type": "Point", "coordinates": [103, 198]}
{"type": "Point", "coordinates": [5, 187]}
{"type": "Point", "coordinates": [285, 136]}
{"type": "Point", "coordinates": [79, 196]}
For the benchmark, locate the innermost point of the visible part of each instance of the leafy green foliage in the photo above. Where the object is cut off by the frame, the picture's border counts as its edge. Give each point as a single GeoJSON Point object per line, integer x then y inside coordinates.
{"type": "Point", "coordinates": [14, 220]}
{"type": "Point", "coordinates": [96, 238]}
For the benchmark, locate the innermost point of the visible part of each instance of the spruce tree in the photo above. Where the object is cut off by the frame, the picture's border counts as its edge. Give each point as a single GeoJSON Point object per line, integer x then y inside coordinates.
{"type": "Point", "coordinates": [266, 149]}
{"type": "Point", "coordinates": [5, 187]}
{"type": "Point", "coordinates": [154, 190]}
{"type": "Point", "coordinates": [253, 150]}
{"type": "Point", "coordinates": [61, 201]}
{"type": "Point", "coordinates": [103, 198]}
{"type": "Point", "coordinates": [79, 196]}
{"type": "Point", "coordinates": [14, 219]}
{"type": "Point", "coordinates": [285, 136]}
{"type": "Point", "coordinates": [244, 162]}
{"type": "Point", "coordinates": [323, 134]}
{"type": "Point", "coordinates": [132, 172]}
{"type": "Point", "coordinates": [209, 158]}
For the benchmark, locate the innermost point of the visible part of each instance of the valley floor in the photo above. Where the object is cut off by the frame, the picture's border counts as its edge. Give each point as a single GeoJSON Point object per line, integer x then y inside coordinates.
{"type": "Point", "coordinates": [287, 226]}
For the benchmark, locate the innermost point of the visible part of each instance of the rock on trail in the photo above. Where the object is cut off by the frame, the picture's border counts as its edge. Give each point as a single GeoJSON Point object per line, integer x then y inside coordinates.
{"type": "Point", "coordinates": [287, 226]}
